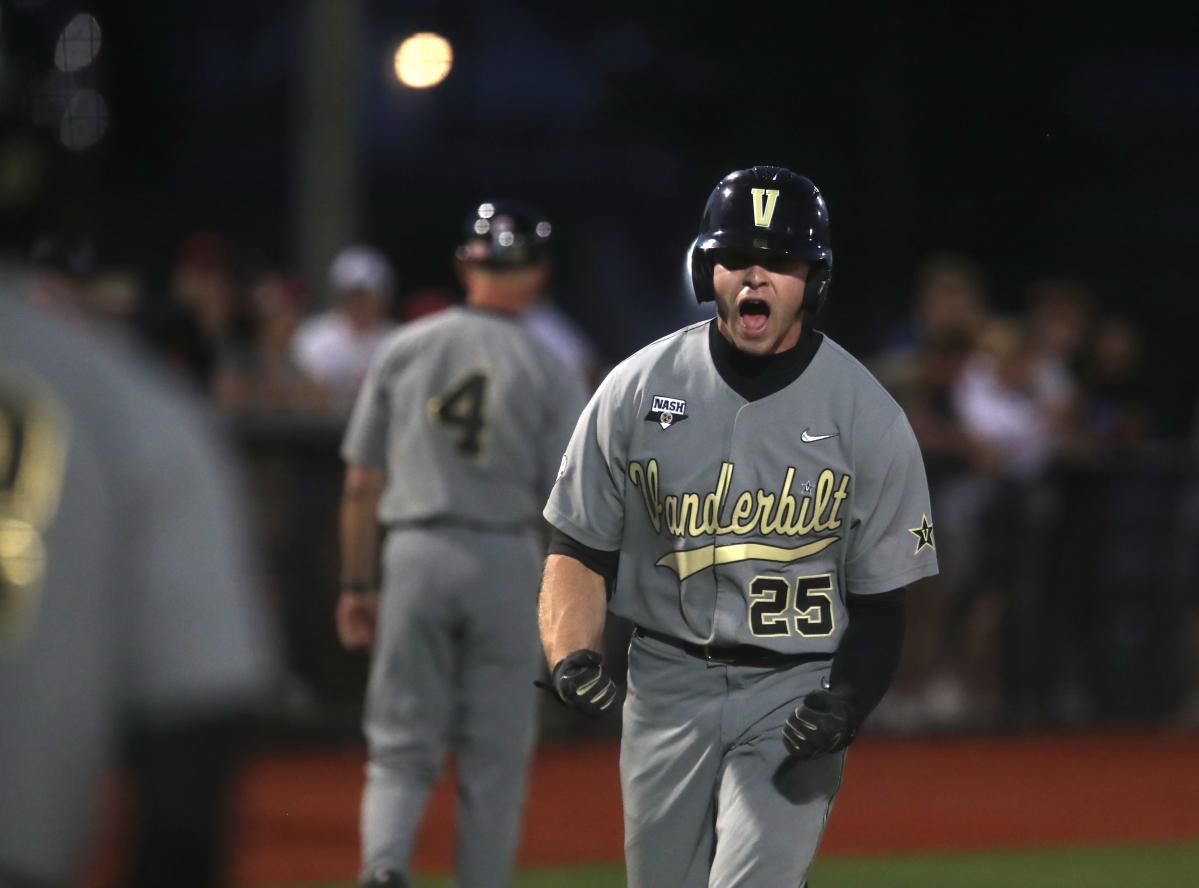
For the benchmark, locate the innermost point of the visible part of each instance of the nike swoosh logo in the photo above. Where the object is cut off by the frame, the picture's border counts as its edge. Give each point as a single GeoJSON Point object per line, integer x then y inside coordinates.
{"type": "Point", "coordinates": [808, 439]}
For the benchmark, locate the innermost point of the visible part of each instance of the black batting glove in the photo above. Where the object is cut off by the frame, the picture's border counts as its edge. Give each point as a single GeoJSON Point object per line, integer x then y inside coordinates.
{"type": "Point", "coordinates": [581, 682]}
{"type": "Point", "coordinates": [820, 725]}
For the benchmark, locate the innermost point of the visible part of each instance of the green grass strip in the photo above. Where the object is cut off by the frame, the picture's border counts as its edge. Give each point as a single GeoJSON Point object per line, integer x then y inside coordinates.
{"type": "Point", "coordinates": [1133, 866]}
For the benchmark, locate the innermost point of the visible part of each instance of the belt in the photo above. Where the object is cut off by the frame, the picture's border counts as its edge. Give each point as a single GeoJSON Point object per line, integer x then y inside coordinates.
{"type": "Point", "coordinates": [452, 523]}
{"type": "Point", "coordinates": [733, 654]}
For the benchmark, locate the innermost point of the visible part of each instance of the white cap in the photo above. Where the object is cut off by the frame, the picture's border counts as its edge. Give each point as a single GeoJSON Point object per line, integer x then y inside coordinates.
{"type": "Point", "coordinates": [362, 267]}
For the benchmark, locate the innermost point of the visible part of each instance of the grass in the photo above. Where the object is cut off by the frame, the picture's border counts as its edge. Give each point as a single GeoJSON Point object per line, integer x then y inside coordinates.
{"type": "Point", "coordinates": [1133, 866]}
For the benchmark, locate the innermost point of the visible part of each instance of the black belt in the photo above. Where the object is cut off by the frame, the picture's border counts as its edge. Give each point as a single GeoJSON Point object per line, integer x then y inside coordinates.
{"type": "Point", "coordinates": [451, 523]}
{"type": "Point", "coordinates": [733, 654]}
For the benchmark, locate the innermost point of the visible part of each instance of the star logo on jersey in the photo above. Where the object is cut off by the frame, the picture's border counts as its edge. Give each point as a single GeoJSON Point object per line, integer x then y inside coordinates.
{"type": "Point", "coordinates": [666, 411]}
{"type": "Point", "coordinates": [923, 535]}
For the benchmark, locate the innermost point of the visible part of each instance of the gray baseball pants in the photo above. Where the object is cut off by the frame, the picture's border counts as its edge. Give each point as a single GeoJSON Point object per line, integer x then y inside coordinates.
{"type": "Point", "coordinates": [711, 799]}
{"type": "Point", "coordinates": [455, 656]}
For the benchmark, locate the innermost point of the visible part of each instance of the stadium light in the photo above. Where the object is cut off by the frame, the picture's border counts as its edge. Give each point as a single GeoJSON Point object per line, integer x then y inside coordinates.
{"type": "Point", "coordinates": [423, 60]}
{"type": "Point", "coordinates": [78, 44]}
{"type": "Point", "coordinates": [84, 121]}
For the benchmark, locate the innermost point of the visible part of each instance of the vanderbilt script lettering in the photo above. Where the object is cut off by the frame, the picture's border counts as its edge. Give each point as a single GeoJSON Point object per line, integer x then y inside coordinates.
{"type": "Point", "coordinates": [754, 512]}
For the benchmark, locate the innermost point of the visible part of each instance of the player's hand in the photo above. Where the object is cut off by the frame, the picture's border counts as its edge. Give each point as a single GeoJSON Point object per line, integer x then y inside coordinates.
{"type": "Point", "coordinates": [820, 725]}
{"type": "Point", "coordinates": [356, 620]}
{"type": "Point", "coordinates": [581, 682]}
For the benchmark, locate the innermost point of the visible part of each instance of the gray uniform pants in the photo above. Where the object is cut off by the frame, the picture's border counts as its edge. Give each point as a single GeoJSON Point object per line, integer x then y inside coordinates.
{"type": "Point", "coordinates": [455, 657]}
{"type": "Point", "coordinates": [710, 798]}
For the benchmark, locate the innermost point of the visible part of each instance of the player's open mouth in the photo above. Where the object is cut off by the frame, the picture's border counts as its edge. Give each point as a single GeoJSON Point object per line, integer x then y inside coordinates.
{"type": "Point", "coordinates": [754, 314]}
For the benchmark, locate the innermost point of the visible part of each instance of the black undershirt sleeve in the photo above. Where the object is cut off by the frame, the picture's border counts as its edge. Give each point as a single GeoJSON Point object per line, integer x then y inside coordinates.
{"type": "Point", "coordinates": [868, 657]}
{"type": "Point", "coordinates": [599, 561]}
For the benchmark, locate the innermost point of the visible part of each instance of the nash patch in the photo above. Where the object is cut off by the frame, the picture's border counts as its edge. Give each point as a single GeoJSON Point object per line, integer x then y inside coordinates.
{"type": "Point", "coordinates": [666, 411]}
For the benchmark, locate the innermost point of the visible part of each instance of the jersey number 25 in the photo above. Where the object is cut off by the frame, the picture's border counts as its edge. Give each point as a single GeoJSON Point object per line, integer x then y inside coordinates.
{"type": "Point", "coordinates": [777, 610]}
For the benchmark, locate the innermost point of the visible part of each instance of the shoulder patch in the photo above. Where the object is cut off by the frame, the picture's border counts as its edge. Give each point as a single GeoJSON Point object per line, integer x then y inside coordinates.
{"type": "Point", "coordinates": [923, 535]}
{"type": "Point", "coordinates": [666, 411]}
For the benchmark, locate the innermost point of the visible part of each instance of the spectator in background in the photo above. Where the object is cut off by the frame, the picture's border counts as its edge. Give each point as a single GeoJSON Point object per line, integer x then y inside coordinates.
{"type": "Point", "coordinates": [1011, 418]}
{"type": "Point", "coordinates": [921, 365]}
{"type": "Point", "coordinates": [267, 378]}
{"type": "Point", "coordinates": [1060, 325]}
{"type": "Point", "coordinates": [998, 517]}
{"type": "Point", "coordinates": [951, 303]}
{"type": "Point", "coordinates": [68, 279]}
{"type": "Point", "coordinates": [926, 392]}
{"type": "Point", "coordinates": [1114, 412]}
{"type": "Point", "coordinates": [206, 325]}
{"type": "Point", "coordinates": [923, 356]}
{"type": "Point", "coordinates": [1060, 320]}
{"type": "Point", "coordinates": [334, 348]}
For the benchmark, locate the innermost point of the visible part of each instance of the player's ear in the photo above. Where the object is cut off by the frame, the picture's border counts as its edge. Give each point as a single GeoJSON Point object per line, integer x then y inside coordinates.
{"type": "Point", "coordinates": [462, 272]}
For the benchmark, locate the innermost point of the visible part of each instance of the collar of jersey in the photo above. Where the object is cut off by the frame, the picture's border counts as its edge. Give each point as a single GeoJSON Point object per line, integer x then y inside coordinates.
{"type": "Point", "coordinates": [754, 377]}
{"type": "Point", "coordinates": [490, 312]}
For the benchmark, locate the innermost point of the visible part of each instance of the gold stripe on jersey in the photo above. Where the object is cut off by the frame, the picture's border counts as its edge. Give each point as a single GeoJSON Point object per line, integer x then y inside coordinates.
{"type": "Point", "coordinates": [690, 561]}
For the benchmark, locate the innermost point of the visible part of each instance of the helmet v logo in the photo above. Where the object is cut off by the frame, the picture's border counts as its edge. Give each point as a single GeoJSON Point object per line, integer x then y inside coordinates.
{"type": "Point", "coordinates": [764, 210]}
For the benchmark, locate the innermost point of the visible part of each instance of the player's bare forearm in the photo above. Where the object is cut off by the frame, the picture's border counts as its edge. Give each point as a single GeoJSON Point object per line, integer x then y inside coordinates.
{"type": "Point", "coordinates": [359, 525]}
{"type": "Point", "coordinates": [573, 607]}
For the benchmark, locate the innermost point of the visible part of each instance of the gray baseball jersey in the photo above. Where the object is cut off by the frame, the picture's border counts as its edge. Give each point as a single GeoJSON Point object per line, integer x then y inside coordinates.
{"type": "Point", "coordinates": [745, 522]}
{"type": "Point", "coordinates": [125, 582]}
{"type": "Point", "coordinates": [468, 414]}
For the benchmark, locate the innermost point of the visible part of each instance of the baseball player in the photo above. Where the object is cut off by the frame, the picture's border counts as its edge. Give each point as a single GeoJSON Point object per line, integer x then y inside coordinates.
{"type": "Point", "coordinates": [127, 613]}
{"type": "Point", "coordinates": [452, 446]}
{"type": "Point", "coordinates": [765, 501]}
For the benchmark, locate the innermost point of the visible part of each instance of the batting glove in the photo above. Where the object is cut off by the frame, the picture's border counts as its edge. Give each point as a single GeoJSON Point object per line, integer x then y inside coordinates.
{"type": "Point", "coordinates": [581, 682]}
{"type": "Point", "coordinates": [820, 725]}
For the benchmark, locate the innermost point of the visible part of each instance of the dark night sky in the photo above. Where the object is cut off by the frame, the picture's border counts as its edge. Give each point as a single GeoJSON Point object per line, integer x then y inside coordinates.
{"type": "Point", "coordinates": [1037, 141]}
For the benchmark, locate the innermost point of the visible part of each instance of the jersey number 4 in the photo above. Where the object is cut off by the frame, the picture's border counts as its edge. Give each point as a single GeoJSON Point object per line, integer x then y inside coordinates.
{"type": "Point", "coordinates": [461, 413]}
{"type": "Point", "coordinates": [777, 609]}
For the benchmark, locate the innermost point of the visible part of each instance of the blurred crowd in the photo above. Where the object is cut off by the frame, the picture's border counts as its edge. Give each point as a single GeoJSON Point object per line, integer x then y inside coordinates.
{"type": "Point", "coordinates": [1007, 394]}
{"type": "Point", "coordinates": [259, 340]}
{"type": "Point", "coordinates": [1053, 604]}
{"type": "Point", "coordinates": [1002, 395]}
{"type": "Point", "coordinates": [1040, 615]}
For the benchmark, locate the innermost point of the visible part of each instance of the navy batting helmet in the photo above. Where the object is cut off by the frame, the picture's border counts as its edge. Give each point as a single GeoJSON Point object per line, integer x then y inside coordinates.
{"type": "Point", "coordinates": [505, 234]}
{"type": "Point", "coordinates": [768, 209]}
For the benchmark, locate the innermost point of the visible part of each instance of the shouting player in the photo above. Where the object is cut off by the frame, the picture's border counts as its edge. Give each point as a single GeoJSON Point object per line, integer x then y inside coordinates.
{"type": "Point", "coordinates": [766, 501]}
{"type": "Point", "coordinates": [452, 446]}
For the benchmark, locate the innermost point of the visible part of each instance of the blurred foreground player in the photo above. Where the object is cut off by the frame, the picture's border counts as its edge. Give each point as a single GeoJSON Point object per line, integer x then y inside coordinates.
{"type": "Point", "coordinates": [126, 610]}
{"type": "Point", "coordinates": [452, 447]}
{"type": "Point", "coordinates": [766, 501]}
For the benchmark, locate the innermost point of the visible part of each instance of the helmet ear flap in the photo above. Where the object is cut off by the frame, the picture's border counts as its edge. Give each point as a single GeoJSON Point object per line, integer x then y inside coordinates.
{"type": "Point", "coordinates": [701, 273]}
{"type": "Point", "coordinates": [816, 291]}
